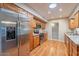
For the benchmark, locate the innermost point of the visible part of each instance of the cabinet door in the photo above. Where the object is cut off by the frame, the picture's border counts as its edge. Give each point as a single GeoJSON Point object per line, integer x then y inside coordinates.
{"type": "Point", "coordinates": [33, 23]}
{"type": "Point", "coordinates": [65, 40]}
{"type": "Point", "coordinates": [71, 24]}
{"type": "Point", "coordinates": [68, 45]}
{"type": "Point", "coordinates": [45, 37]}
{"type": "Point", "coordinates": [74, 49]}
{"type": "Point", "coordinates": [31, 41]}
{"type": "Point", "coordinates": [36, 41]}
{"type": "Point", "coordinates": [76, 21]}
{"type": "Point", "coordinates": [1, 5]}
{"type": "Point", "coordinates": [71, 48]}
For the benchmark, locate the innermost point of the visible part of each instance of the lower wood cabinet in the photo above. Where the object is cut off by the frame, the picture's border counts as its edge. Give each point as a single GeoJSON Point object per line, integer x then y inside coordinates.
{"type": "Point", "coordinates": [72, 47]}
{"type": "Point", "coordinates": [45, 37]}
{"type": "Point", "coordinates": [67, 43]}
{"type": "Point", "coordinates": [36, 41]}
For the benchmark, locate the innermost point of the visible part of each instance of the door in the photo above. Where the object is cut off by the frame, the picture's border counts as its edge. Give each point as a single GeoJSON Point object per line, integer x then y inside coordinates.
{"type": "Point", "coordinates": [55, 31]}
{"type": "Point", "coordinates": [23, 35]}
{"type": "Point", "coordinates": [8, 34]}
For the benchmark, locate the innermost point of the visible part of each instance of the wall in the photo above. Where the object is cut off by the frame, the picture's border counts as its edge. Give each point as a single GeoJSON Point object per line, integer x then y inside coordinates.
{"type": "Point", "coordinates": [63, 27]}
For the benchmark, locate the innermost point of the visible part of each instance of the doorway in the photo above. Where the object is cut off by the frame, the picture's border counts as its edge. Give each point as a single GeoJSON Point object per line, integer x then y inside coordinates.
{"type": "Point", "coordinates": [55, 31]}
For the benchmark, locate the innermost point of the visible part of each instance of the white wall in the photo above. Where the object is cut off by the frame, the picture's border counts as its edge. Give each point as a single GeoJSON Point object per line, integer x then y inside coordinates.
{"type": "Point", "coordinates": [63, 27]}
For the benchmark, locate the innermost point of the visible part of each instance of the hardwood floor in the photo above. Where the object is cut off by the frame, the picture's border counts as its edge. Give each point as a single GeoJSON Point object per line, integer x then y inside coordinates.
{"type": "Point", "coordinates": [50, 48]}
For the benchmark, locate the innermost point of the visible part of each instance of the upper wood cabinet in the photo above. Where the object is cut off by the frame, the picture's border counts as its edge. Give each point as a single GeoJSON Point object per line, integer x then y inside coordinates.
{"type": "Point", "coordinates": [33, 23]}
{"type": "Point", "coordinates": [74, 23]}
{"type": "Point", "coordinates": [71, 24]}
{"type": "Point", "coordinates": [1, 5]}
{"type": "Point", "coordinates": [10, 6]}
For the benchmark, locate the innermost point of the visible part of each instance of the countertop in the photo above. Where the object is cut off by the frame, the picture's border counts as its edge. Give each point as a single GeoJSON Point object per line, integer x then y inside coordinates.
{"type": "Point", "coordinates": [35, 34]}
{"type": "Point", "coordinates": [74, 38]}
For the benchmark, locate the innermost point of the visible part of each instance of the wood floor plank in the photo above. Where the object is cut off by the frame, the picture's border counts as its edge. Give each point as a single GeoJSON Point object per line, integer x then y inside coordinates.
{"type": "Point", "coordinates": [50, 48]}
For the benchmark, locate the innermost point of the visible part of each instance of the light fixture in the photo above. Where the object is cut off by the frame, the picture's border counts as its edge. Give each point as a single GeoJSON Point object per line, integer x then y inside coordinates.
{"type": "Point", "coordinates": [8, 22]}
{"type": "Point", "coordinates": [49, 12]}
{"type": "Point", "coordinates": [52, 5]}
{"type": "Point", "coordinates": [52, 24]}
{"type": "Point", "coordinates": [72, 20]}
{"type": "Point", "coordinates": [60, 10]}
{"type": "Point", "coordinates": [60, 16]}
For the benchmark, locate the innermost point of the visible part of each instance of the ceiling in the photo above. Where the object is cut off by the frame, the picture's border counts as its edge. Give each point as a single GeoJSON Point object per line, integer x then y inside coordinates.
{"type": "Point", "coordinates": [43, 10]}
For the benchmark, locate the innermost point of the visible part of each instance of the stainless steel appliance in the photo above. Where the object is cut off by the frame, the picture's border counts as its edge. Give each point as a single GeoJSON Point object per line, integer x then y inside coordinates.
{"type": "Point", "coordinates": [14, 30]}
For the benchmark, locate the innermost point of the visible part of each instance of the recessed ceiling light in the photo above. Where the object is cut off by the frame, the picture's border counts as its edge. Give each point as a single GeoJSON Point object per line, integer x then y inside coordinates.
{"type": "Point", "coordinates": [49, 12]}
{"type": "Point", "coordinates": [60, 10]}
{"type": "Point", "coordinates": [52, 24]}
{"type": "Point", "coordinates": [60, 16]}
{"type": "Point", "coordinates": [52, 5]}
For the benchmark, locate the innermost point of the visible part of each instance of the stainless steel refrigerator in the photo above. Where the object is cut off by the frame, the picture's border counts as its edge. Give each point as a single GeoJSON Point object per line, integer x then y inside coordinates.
{"type": "Point", "coordinates": [14, 33]}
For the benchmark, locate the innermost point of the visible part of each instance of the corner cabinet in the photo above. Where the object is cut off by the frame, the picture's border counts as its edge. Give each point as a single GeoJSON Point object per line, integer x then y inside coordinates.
{"type": "Point", "coordinates": [74, 23]}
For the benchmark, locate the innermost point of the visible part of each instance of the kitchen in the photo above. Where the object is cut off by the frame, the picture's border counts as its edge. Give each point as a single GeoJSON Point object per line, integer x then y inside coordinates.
{"type": "Point", "coordinates": [39, 29]}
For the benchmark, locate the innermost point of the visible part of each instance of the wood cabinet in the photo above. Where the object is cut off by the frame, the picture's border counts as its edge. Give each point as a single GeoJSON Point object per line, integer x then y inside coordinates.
{"type": "Point", "coordinates": [33, 23]}
{"type": "Point", "coordinates": [76, 20]}
{"type": "Point", "coordinates": [67, 43]}
{"type": "Point", "coordinates": [74, 23]}
{"type": "Point", "coordinates": [10, 6]}
{"type": "Point", "coordinates": [31, 41]}
{"type": "Point", "coordinates": [36, 41]}
{"type": "Point", "coordinates": [71, 24]}
{"type": "Point", "coordinates": [1, 5]}
{"type": "Point", "coordinates": [72, 48]}
{"type": "Point", "coordinates": [45, 37]}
